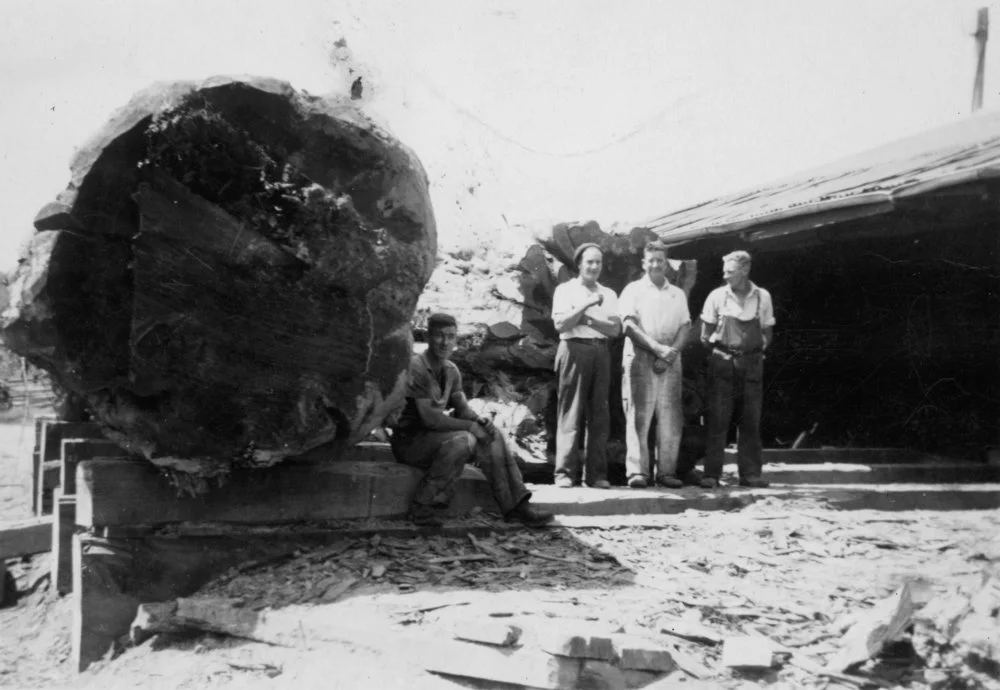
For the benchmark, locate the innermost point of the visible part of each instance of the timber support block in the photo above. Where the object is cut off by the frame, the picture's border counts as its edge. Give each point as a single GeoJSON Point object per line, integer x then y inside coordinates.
{"type": "Point", "coordinates": [49, 463]}
{"type": "Point", "coordinates": [76, 450]}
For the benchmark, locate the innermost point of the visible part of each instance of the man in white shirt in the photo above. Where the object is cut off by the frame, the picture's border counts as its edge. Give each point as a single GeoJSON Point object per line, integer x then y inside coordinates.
{"type": "Point", "coordinates": [737, 323]}
{"type": "Point", "coordinates": [585, 314]}
{"type": "Point", "coordinates": [656, 321]}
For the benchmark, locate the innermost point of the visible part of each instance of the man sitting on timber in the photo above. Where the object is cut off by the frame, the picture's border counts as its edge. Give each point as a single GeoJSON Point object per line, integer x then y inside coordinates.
{"type": "Point", "coordinates": [428, 438]}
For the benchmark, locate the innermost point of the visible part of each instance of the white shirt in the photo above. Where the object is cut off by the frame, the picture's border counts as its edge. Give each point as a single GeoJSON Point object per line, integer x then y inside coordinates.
{"type": "Point", "coordinates": [571, 295]}
{"type": "Point", "coordinates": [660, 312]}
{"type": "Point", "coordinates": [722, 301]}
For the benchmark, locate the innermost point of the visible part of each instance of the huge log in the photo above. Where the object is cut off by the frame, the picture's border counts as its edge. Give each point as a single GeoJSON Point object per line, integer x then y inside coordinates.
{"type": "Point", "coordinates": [229, 278]}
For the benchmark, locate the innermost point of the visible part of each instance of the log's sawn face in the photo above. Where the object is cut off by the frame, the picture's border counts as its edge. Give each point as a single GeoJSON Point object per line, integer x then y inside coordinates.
{"type": "Point", "coordinates": [231, 274]}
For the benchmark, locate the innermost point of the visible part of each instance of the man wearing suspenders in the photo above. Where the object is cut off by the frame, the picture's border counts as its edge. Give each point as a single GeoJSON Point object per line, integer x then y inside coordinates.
{"type": "Point", "coordinates": [737, 323]}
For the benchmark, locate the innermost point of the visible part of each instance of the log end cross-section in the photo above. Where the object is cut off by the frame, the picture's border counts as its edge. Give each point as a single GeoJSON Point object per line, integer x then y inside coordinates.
{"type": "Point", "coordinates": [231, 274]}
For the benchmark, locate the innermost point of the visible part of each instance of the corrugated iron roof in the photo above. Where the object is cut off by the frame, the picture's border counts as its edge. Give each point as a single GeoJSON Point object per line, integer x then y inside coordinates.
{"type": "Point", "coordinates": [863, 185]}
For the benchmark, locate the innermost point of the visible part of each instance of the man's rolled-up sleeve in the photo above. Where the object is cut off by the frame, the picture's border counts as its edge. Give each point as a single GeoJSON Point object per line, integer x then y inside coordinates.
{"type": "Point", "coordinates": [710, 312]}
{"type": "Point", "coordinates": [560, 303]}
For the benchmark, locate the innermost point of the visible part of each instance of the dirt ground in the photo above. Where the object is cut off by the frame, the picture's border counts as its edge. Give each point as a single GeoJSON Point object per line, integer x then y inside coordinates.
{"type": "Point", "coordinates": [794, 571]}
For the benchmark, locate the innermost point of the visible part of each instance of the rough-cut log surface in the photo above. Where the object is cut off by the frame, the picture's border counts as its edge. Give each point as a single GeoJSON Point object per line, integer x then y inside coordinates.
{"type": "Point", "coordinates": [231, 274]}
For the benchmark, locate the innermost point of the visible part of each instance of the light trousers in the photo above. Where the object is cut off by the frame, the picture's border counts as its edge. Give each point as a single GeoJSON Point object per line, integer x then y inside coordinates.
{"type": "Point", "coordinates": [647, 395]}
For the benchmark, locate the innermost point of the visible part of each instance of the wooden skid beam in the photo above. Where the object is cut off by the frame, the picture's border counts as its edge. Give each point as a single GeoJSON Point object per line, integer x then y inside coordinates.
{"type": "Point", "coordinates": [63, 526]}
{"type": "Point", "coordinates": [120, 491]}
{"type": "Point", "coordinates": [25, 537]}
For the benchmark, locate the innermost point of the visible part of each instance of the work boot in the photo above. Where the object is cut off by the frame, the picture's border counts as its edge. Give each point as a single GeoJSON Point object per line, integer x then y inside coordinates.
{"type": "Point", "coordinates": [637, 481]}
{"type": "Point", "coordinates": [692, 478]}
{"type": "Point", "coordinates": [530, 516]}
{"type": "Point", "coordinates": [709, 483]}
{"type": "Point", "coordinates": [600, 484]}
{"type": "Point", "coordinates": [755, 482]}
{"type": "Point", "coordinates": [669, 482]}
{"type": "Point", "coordinates": [424, 516]}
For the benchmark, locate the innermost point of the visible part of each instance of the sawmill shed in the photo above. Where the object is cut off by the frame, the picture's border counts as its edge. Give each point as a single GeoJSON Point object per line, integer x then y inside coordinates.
{"type": "Point", "coordinates": [885, 272]}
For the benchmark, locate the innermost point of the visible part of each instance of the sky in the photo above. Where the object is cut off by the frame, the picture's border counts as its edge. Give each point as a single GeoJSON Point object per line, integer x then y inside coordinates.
{"type": "Point", "coordinates": [520, 110]}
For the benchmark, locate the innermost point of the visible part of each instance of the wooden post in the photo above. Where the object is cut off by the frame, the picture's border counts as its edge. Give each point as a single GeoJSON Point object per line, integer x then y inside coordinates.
{"type": "Point", "coordinates": [63, 526]}
{"type": "Point", "coordinates": [36, 462]}
{"type": "Point", "coordinates": [982, 36]}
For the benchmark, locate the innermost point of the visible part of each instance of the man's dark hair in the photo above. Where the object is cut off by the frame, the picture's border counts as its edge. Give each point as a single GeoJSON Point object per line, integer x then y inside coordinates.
{"type": "Point", "coordinates": [655, 246]}
{"type": "Point", "coordinates": [436, 322]}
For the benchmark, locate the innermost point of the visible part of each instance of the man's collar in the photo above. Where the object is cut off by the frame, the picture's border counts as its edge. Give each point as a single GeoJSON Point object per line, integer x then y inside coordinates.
{"type": "Point", "coordinates": [649, 282]}
{"type": "Point", "coordinates": [753, 290]}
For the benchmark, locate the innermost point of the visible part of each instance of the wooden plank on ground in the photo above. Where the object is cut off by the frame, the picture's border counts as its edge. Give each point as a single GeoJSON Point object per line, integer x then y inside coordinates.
{"type": "Point", "coordinates": [63, 526]}
{"type": "Point", "coordinates": [301, 626]}
{"type": "Point", "coordinates": [114, 492]}
{"type": "Point", "coordinates": [25, 537]}
{"type": "Point", "coordinates": [76, 450]}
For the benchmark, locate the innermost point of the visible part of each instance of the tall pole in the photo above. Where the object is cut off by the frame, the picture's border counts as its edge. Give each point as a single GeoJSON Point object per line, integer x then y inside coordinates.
{"type": "Point", "coordinates": [981, 36]}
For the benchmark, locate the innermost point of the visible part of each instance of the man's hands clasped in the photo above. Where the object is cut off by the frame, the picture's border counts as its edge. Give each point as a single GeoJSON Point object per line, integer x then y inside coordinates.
{"type": "Point", "coordinates": [483, 429]}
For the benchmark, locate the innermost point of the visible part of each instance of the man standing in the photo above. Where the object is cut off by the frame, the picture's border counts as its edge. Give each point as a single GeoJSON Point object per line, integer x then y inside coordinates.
{"type": "Point", "coordinates": [429, 439]}
{"type": "Point", "coordinates": [585, 314]}
{"type": "Point", "coordinates": [737, 324]}
{"type": "Point", "coordinates": [656, 321]}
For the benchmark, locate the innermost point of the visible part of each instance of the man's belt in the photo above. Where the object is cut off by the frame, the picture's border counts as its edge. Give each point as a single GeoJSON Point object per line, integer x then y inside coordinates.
{"type": "Point", "coordinates": [732, 352]}
{"type": "Point", "coordinates": [589, 341]}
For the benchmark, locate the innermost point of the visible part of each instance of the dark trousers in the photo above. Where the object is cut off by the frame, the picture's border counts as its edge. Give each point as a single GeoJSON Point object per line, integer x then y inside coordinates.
{"type": "Point", "coordinates": [443, 454]}
{"type": "Point", "coordinates": [734, 382]}
{"type": "Point", "coordinates": [584, 370]}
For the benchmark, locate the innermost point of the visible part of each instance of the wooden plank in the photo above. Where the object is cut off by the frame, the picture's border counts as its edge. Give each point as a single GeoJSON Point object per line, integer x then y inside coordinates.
{"type": "Point", "coordinates": [50, 451]}
{"type": "Point", "coordinates": [861, 456]}
{"type": "Point", "coordinates": [25, 537]}
{"type": "Point", "coordinates": [63, 526]}
{"type": "Point", "coordinates": [303, 626]}
{"type": "Point", "coordinates": [114, 492]}
{"type": "Point", "coordinates": [75, 450]}
{"type": "Point", "coordinates": [876, 627]}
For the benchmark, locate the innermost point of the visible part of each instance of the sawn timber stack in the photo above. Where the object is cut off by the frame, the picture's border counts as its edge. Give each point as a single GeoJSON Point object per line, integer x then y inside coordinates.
{"type": "Point", "coordinates": [230, 276]}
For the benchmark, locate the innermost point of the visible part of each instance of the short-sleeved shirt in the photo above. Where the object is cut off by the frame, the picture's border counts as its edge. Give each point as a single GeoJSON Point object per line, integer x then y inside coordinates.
{"type": "Point", "coordinates": [660, 312]}
{"type": "Point", "coordinates": [424, 385]}
{"type": "Point", "coordinates": [569, 296]}
{"type": "Point", "coordinates": [723, 301]}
